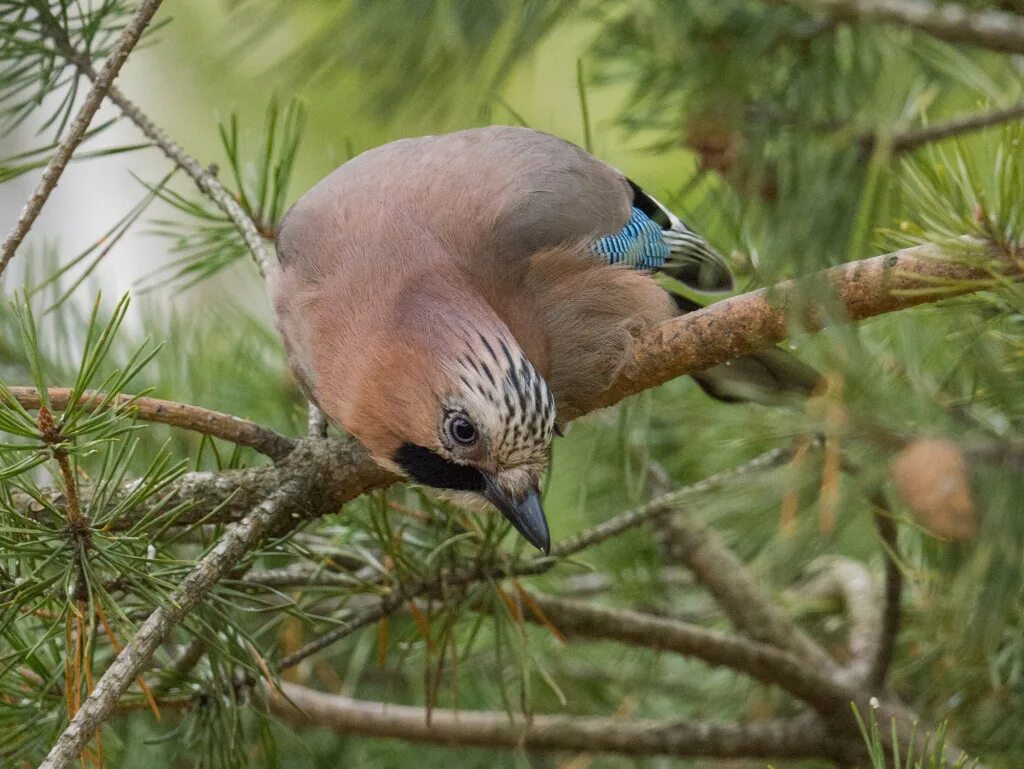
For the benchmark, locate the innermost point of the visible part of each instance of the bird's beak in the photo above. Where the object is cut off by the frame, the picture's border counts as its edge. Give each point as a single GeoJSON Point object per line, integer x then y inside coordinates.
{"type": "Point", "coordinates": [523, 511]}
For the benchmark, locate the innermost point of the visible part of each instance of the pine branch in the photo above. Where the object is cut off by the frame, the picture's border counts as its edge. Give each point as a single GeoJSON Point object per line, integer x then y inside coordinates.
{"type": "Point", "coordinates": [102, 83]}
{"type": "Point", "coordinates": [744, 324]}
{"type": "Point", "coordinates": [800, 737]}
{"type": "Point", "coordinates": [204, 179]}
{"type": "Point", "coordinates": [908, 141]}
{"type": "Point", "coordinates": [411, 591]}
{"type": "Point", "coordinates": [134, 658]}
{"type": "Point", "coordinates": [194, 418]}
{"type": "Point", "coordinates": [992, 29]}
{"type": "Point", "coordinates": [225, 497]}
{"type": "Point", "coordinates": [829, 692]}
{"type": "Point", "coordinates": [754, 614]}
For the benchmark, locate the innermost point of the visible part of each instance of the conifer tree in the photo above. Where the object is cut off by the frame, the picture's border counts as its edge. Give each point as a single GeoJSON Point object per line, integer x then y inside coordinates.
{"type": "Point", "coordinates": [194, 571]}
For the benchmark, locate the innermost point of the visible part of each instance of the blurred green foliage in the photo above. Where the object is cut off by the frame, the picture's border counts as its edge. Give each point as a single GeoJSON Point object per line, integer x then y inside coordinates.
{"type": "Point", "coordinates": [770, 131]}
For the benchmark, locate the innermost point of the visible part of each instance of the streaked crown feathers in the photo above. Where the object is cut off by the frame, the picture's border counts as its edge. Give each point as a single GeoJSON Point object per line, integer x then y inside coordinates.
{"type": "Point", "coordinates": [502, 390]}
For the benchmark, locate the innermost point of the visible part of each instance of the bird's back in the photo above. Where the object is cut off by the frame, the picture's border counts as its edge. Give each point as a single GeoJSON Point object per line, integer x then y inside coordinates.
{"type": "Point", "coordinates": [498, 192]}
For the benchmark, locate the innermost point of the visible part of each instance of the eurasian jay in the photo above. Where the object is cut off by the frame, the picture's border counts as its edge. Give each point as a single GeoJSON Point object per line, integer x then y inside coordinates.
{"type": "Point", "coordinates": [452, 300]}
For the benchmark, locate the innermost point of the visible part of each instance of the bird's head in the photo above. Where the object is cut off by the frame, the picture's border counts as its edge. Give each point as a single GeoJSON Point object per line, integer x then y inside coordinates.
{"type": "Point", "coordinates": [483, 428]}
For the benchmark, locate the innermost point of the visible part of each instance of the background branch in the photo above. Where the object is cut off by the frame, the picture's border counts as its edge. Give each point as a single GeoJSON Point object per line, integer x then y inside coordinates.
{"type": "Point", "coordinates": [762, 662]}
{"type": "Point", "coordinates": [954, 23]}
{"type": "Point", "coordinates": [849, 582]}
{"type": "Point", "coordinates": [800, 737]}
{"type": "Point", "coordinates": [908, 141]}
{"type": "Point", "coordinates": [892, 607]}
{"type": "Point", "coordinates": [691, 543]}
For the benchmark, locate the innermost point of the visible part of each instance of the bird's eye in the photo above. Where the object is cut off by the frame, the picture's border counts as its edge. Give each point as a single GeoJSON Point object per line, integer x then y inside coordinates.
{"type": "Point", "coordinates": [461, 430]}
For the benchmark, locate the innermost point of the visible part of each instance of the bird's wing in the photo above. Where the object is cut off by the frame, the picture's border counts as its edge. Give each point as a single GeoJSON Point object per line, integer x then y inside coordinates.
{"type": "Point", "coordinates": [688, 257]}
{"type": "Point", "coordinates": [562, 194]}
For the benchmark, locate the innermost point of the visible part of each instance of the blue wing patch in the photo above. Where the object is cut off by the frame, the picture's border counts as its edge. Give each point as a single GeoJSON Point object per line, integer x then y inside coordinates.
{"type": "Point", "coordinates": [639, 244]}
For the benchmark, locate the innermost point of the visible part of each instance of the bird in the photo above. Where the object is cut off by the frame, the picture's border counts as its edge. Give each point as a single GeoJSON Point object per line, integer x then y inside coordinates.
{"type": "Point", "coordinates": [452, 301]}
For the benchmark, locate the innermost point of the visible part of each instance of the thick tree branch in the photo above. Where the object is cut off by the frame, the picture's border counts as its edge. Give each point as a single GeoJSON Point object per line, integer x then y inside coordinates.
{"type": "Point", "coordinates": [954, 23]}
{"type": "Point", "coordinates": [194, 418]}
{"type": "Point", "coordinates": [743, 324]}
{"type": "Point", "coordinates": [800, 737]}
{"type": "Point", "coordinates": [698, 340]}
{"type": "Point", "coordinates": [102, 82]}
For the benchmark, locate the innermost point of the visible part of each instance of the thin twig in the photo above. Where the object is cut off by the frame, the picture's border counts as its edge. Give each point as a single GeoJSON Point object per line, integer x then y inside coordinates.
{"type": "Point", "coordinates": [908, 141]}
{"type": "Point", "coordinates": [954, 23]}
{"type": "Point", "coordinates": [204, 179]}
{"type": "Point", "coordinates": [297, 576]}
{"type": "Point", "coordinates": [394, 601]}
{"type": "Point", "coordinates": [409, 591]}
{"type": "Point", "coordinates": [102, 82]}
{"type": "Point", "coordinates": [892, 610]}
{"type": "Point", "coordinates": [666, 503]}
{"type": "Point", "coordinates": [194, 418]}
{"type": "Point", "coordinates": [799, 737]}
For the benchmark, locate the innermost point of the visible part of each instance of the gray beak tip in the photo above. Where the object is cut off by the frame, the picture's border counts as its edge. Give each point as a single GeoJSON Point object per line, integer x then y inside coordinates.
{"type": "Point", "coordinates": [526, 515]}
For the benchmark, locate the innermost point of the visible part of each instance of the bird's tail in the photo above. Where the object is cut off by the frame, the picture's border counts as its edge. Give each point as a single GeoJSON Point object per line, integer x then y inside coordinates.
{"type": "Point", "coordinates": [769, 377]}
